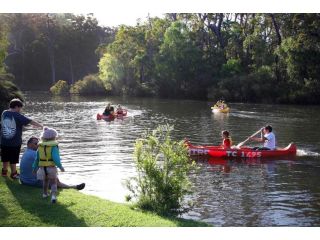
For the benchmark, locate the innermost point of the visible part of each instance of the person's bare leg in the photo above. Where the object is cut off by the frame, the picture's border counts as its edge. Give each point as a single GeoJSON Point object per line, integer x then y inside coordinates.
{"type": "Point", "coordinates": [13, 168]}
{"type": "Point", "coordinates": [66, 186]}
{"type": "Point", "coordinates": [45, 186]}
{"type": "Point", "coordinates": [63, 185]}
{"type": "Point", "coordinates": [53, 184]}
{"type": "Point", "coordinates": [5, 165]}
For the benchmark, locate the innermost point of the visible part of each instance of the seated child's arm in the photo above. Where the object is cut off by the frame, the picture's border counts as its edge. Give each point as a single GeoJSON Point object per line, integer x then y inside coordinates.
{"type": "Point", "coordinates": [56, 157]}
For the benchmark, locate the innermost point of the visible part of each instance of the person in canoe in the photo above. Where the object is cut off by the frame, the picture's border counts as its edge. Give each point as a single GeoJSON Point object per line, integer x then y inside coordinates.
{"type": "Point", "coordinates": [226, 140]}
{"type": "Point", "coordinates": [218, 104]}
{"type": "Point", "coordinates": [222, 105]}
{"type": "Point", "coordinates": [267, 138]}
{"type": "Point", "coordinates": [109, 110]}
{"type": "Point", "coordinates": [119, 110]}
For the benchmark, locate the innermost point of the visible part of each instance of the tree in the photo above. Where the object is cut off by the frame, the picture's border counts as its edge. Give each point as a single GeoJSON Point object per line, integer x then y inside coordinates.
{"type": "Point", "coordinates": [300, 56]}
{"type": "Point", "coordinates": [46, 47]}
{"type": "Point", "coordinates": [178, 62]}
{"type": "Point", "coordinates": [3, 45]}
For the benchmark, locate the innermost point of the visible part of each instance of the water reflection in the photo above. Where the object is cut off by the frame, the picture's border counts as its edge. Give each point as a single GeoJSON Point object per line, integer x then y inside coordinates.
{"type": "Point", "coordinates": [254, 192]}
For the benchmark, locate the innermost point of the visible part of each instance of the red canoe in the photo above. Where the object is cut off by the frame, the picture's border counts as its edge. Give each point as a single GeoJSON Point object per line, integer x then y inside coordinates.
{"type": "Point", "coordinates": [243, 152]}
{"type": "Point", "coordinates": [112, 117]}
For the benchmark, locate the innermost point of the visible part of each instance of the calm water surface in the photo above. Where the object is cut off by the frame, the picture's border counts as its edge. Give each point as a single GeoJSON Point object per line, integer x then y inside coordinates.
{"type": "Point", "coordinates": [226, 192]}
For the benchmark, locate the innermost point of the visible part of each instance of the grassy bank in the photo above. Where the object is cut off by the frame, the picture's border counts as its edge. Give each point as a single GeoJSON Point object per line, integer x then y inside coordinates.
{"type": "Point", "coordinates": [23, 206]}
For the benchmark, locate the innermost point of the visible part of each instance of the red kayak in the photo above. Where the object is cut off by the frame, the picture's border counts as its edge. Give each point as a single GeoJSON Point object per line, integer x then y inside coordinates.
{"type": "Point", "coordinates": [104, 117]}
{"type": "Point", "coordinates": [112, 117]}
{"type": "Point", "coordinates": [243, 152]}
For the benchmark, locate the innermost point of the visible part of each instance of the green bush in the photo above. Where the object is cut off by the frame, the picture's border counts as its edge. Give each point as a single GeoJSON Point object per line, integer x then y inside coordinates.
{"type": "Point", "coordinates": [162, 166]}
{"type": "Point", "coordinates": [89, 85]}
{"type": "Point", "coordinates": [258, 86]}
{"type": "Point", "coordinates": [8, 91]}
{"type": "Point", "coordinates": [60, 88]}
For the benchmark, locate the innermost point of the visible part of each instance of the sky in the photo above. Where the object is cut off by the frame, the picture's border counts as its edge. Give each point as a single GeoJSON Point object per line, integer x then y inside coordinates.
{"type": "Point", "coordinates": [128, 18]}
{"type": "Point", "coordinates": [116, 12]}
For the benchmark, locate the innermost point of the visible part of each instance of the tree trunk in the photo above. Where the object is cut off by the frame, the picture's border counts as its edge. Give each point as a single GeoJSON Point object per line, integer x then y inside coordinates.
{"type": "Point", "coordinates": [276, 59]}
{"type": "Point", "coordinates": [51, 52]}
{"type": "Point", "coordinates": [71, 70]}
{"type": "Point", "coordinates": [173, 16]}
{"type": "Point", "coordinates": [23, 67]}
{"type": "Point", "coordinates": [217, 30]}
{"type": "Point", "coordinates": [52, 65]}
{"type": "Point", "coordinates": [142, 74]}
{"type": "Point", "coordinates": [276, 27]}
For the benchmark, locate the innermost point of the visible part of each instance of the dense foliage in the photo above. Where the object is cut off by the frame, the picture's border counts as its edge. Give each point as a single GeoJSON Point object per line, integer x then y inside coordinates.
{"type": "Point", "coordinates": [89, 85]}
{"type": "Point", "coordinates": [239, 56]}
{"type": "Point", "coordinates": [8, 91]}
{"type": "Point", "coordinates": [43, 48]}
{"type": "Point", "coordinates": [162, 165]}
{"type": "Point", "coordinates": [3, 45]}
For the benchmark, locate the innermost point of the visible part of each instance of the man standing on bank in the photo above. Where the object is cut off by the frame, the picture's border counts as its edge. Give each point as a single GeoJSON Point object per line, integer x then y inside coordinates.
{"type": "Point", "coordinates": [12, 122]}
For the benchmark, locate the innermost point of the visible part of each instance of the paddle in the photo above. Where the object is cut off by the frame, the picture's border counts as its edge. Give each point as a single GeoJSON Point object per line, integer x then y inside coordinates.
{"type": "Point", "coordinates": [240, 144]}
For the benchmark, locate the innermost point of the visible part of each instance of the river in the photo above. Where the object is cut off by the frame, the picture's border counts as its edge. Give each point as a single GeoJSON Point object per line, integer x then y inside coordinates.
{"type": "Point", "coordinates": [283, 192]}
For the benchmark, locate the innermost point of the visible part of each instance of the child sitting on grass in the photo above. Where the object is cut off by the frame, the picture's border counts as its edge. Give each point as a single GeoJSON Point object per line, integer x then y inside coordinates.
{"type": "Point", "coordinates": [47, 161]}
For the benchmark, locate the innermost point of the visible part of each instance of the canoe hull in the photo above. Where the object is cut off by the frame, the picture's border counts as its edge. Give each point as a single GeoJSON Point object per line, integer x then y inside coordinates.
{"type": "Point", "coordinates": [103, 117]}
{"type": "Point", "coordinates": [111, 117]}
{"type": "Point", "coordinates": [244, 152]}
{"type": "Point", "coordinates": [219, 110]}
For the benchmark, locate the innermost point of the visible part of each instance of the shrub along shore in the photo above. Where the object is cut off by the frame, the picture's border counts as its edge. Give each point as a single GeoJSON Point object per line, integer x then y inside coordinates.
{"type": "Point", "coordinates": [23, 206]}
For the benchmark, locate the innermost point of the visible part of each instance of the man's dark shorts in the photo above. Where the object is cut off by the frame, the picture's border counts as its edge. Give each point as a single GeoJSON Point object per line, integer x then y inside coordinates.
{"type": "Point", "coordinates": [10, 154]}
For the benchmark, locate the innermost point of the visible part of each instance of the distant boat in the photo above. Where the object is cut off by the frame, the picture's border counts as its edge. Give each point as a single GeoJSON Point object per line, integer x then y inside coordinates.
{"type": "Point", "coordinates": [217, 109]}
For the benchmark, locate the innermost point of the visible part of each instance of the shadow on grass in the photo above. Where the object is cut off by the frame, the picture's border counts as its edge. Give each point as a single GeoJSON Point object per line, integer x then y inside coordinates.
{"type": "Point", "coordinates": [3, 211]}
{"type": "Point", "coordinates": [181, 222]}
{"type": "Point", "coordinates": [29, 198]}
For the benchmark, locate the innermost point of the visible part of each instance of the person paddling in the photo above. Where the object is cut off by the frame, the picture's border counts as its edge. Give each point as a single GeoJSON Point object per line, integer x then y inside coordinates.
{"type": "Point", "coordinates": [109, 110]}
{"type": "Point", "coordinates": [267, 138]}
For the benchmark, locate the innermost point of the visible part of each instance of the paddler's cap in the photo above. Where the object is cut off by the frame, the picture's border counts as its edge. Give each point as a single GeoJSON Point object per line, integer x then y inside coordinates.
{"type": "Point", "coordinates": [49, 133]}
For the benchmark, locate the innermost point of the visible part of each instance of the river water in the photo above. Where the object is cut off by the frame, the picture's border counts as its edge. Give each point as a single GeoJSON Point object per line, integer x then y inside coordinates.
{"type": "Point", "coordinates": [283, 192]}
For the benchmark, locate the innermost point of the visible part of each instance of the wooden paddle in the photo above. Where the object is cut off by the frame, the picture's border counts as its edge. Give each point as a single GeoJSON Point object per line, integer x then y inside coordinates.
{"type": "Point", "coordinates": [240, 144]}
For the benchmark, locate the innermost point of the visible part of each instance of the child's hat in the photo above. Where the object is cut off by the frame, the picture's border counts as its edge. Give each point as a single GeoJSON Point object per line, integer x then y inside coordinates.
{"type": "Point", "coordinates": [49, 133]}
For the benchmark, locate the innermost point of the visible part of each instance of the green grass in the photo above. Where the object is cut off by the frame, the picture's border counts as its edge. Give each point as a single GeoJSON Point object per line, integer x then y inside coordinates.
{"type": "Point", "coordinates": [23, 206]}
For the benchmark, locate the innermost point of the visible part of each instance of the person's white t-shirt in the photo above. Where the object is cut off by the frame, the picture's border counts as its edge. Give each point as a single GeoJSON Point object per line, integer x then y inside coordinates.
{"type": "Point", "coordinates": [271, 142]}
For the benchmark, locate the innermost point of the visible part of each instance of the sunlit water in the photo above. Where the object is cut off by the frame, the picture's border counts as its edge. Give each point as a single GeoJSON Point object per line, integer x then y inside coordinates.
{"type": "Point", "coordinates": [226, 192]}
